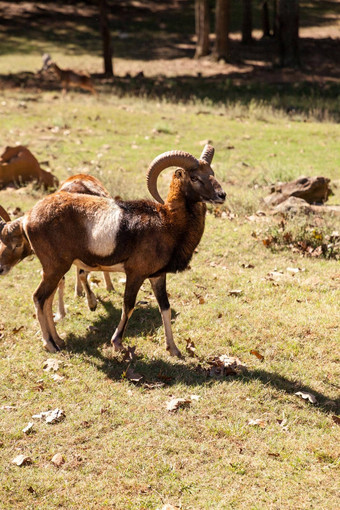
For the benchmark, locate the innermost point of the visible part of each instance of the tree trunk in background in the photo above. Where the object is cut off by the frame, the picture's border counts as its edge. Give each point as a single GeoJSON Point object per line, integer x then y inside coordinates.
{"type": "Point", "coordinates": [106, 37]}
{"type": "Point", "coordinates": [247, 22]}
{"type": "Point", "coordinates": [287, 24]}
{"type": "Point", "coordinates": [221, 47]}
{"type": "Point", "coordinates": [202, 24]}
{"type": "Point", "coordinates": [265, 19]}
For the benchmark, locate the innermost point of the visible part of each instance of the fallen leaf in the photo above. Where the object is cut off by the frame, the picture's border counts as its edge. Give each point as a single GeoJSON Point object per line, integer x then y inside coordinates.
{"type": "Point", "coordinates": [190, 348]}
{"type": "Point", "coordinates": [258, 423]}
{"type": "Point", "coordinates": [306, 396]}
{"type": "Point", "coordinates": [235, 292]}
{"type": "Point", "coordinates": [247, 266]}
{"type": "Point", "coordinates": [133, 376]}
{"type": "Point", "coordinates": [257, 354]}
{"type": "Point", "coordinates": [51, 416]}
{"type": "Point", "coordinates": [22, 460]}
{"type": "Point", "coordinates": [225, 365]}
{"type": "Point", "coordinates": [176, 403]}
{"type": "Point", "coordinates": [273, 454]}
{"type": "Point", "coordinates": [58, 459]}
{"type": "Point", "coordinates": [51, 364]}
{"type": "Point", "coordinates": [57, 377]}
{"type": "Point", "coordinates": [201, 300]}
{"type": "Point", "coordinates": [130, 354]}
{"type": "Point", "coordinates": [29, 428]}
{"type": "Point", "coordinates": [336, 419]}
{"type": "Point", "coordinates": [16, 330]}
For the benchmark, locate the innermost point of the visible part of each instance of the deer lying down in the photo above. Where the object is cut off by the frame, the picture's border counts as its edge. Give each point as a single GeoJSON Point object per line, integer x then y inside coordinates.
{"type": "Point", "coordinates": [19, 166]}
{"type": "Point", "coordinates": [14, 245]}
{"type": "Point", "coordinates": [142, 238]}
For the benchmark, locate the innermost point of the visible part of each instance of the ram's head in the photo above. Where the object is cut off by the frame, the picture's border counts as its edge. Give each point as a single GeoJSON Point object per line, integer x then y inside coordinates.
{"type": "Point", "coordinates": [194, 176]}
{"type": "Point", "coordinates": [14, 246]}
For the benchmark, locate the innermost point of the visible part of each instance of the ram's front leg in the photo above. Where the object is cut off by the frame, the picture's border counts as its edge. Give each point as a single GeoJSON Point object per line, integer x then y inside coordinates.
{"type": "Point", "coordinates": [132, 287]}
{"type": "Point", "coordinates": [43, 299]}
{"type": "Point", "coordinates": [159, 288]}
{"type": "Point", "coordinates": [61, 303]}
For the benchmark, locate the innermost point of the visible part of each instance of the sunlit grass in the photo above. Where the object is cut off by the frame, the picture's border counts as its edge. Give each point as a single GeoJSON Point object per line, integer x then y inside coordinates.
{"type": "Point", "coordinates": [122, 449]}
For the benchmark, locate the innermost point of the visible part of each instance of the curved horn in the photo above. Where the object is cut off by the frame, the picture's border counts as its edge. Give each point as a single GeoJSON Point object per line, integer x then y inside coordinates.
{"type": "Point", "coordinates": [208, 153]}
{"type": "Point", "coordinates": [4, 214]}
{"type": "Point", "coordinates": [163, 161]}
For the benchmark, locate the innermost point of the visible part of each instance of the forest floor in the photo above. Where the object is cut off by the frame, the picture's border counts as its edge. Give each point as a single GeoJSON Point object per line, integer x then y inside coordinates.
{"type": "Point", "coordinates": [157, 39]}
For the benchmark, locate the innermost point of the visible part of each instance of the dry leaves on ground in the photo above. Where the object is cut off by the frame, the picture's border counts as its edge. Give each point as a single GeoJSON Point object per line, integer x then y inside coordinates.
{"type": "Point", "coordinates": [225, 365]}
{"type": "Point", "coordinates": [22, 460]}
{"type": "Point", "coordinates": [51, 364]}
{"type": "Point", "coordinates": [29, 428]}
{"type": "Point", "coordinates": [257, 423]}
{"type": "Point", "coordinates": [58, 459]}
{"type": "Point", "coordinates": [257, 354]}
{"type": "Point", "coordinates": [177, 403]}
{"type": "Point", "coordinates": [54, 416]}
{"type": "Point", "coordinates": [306, 396]}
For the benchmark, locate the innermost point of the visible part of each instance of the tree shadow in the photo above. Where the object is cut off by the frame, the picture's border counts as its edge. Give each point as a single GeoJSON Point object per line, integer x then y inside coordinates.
{"type": "Point", "coordinates": [161, 372]}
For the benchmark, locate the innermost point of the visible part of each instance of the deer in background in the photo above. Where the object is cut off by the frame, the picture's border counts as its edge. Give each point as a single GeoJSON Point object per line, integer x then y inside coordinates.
{"type": "Point", "coordinates": [67, 77]}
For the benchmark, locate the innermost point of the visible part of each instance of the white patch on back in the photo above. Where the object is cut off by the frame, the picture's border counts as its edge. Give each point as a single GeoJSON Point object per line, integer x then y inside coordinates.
{"type": "Point", "coordinates": [102, 229]}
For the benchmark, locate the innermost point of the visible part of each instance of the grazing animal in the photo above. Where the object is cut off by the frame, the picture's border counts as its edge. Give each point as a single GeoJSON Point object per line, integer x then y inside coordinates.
{"type": "Point", "coordinates": [19, 166]}
{"type": "Point", "coordinates": [142, 238]}
{"type": "Point", "coordinates": [67, 77]}
{"type": "Point", "coordinates": [14, 245]}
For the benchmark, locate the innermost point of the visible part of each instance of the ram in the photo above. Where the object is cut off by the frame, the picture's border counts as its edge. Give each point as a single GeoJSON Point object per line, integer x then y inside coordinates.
{"type": "Point", "coordinates": [14, 245]}
{"type": "Point", "coordinates": [142, 238]}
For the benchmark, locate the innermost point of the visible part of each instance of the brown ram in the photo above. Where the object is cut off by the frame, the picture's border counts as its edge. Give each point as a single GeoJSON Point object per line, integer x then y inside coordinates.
{"type": "Point", "coordinates": [142, 238]}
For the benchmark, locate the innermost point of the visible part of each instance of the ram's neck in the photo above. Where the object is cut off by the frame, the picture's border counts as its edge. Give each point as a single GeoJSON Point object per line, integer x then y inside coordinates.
{"type": "Point", "coordinates": [187, 220]}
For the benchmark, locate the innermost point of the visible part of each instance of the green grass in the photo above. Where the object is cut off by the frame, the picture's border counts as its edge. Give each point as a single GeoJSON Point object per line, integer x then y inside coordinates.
{"type": "Point", "coordinates": [122, 448]}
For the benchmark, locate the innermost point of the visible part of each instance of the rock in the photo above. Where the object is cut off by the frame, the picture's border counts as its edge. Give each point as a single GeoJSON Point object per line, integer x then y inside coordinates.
{"type": "Point", "coordinates": [293, 205]}
{"type": "Point", "coordinates": [314, 190]}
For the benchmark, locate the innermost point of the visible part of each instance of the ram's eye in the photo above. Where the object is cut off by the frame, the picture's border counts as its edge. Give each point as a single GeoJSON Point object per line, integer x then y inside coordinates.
{"type": "Point", "coordinates": [194, 178]}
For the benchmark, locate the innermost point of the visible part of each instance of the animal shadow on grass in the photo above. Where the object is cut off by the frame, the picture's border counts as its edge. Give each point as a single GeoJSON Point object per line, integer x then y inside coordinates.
{"type": "Point", "coordinates": [156, 372]}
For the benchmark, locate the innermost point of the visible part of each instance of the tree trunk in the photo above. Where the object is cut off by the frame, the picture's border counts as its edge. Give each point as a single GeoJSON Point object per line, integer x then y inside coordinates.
{"type": "Point", "coordinates": [202, 24]}
{"type": "Point", "coordinates": [221, 47]}
{"type": "Point", "coordinates": [247, 22]}
{"type": "Point", "coordinates": [265, 19]}
{"type": "Point", "coordinates": [287, 24]}
{"type": "Point", "coordinates": [106, 37]}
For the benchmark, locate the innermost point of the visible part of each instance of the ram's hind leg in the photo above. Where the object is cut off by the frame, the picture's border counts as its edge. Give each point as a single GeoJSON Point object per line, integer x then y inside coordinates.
{"type": "Point", "coordinates": [90, 297]}
{"type": "Point", "coordinates": [108, 282]}
{"type": "Point", "coordinates": [159, 288]}
{"type": "Point", "coordinates": [43, 299]}
{"type": "Point", "coordinates": [132, 287]}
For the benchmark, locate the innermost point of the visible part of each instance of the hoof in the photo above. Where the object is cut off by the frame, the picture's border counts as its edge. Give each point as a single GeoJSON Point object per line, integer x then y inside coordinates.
{"type": "Point", "coordinates": [50, 347]}
{"type": "Point", "coordinates": [117, 346]}
{"type": "Point", "coordinates": [93, 308]}
{"type": "Point", "coordinates": [175, 352]}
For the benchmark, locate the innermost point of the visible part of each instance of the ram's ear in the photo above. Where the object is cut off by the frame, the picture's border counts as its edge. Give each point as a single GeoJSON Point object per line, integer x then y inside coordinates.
{"type": "Point", "coordinates": [179, 173]}
{"type": "Point", "coordinates": [12, 232]}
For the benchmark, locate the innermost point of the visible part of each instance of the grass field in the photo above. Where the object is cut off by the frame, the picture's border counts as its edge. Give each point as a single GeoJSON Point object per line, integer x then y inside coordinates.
{"type": "Point", "coordinates": [122, 448]}
{"type": "Point", "coordinates": [244, 441]}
